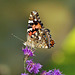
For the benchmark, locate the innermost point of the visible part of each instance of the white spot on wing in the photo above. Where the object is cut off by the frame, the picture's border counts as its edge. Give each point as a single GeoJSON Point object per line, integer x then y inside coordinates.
{"type": "Point", "coordinates": [46, 46]}
{"type": "Point", "coordinates": [31, 15]}
{"type": "Point", "coordinates": [39, 37]}
{"type": "Point", "coordinates": [30, 29]}
{"type": "Point", "coordinates": [32, 35]}
{"type": "Point", "coordinates": [30, 21]}
{"type": "Point", "coordinates": [35, 19]}
{"type": "Point", "coordinates": [34, 12]}
{"type": "Point", "coordinates": [36, 33]}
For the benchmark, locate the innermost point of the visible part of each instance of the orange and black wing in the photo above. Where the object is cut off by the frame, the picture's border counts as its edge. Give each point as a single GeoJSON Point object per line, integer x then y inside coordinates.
{"type": "Point", "coordinates": [37, 32]}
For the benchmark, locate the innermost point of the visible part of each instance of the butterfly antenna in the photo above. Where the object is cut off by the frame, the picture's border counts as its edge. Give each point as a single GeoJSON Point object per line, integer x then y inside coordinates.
{"type": "Point", "coordinates": [17, 37]}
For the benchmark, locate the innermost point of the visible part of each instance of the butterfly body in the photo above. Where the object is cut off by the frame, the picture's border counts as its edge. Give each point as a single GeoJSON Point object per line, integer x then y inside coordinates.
{"type": "Point", "coordinates": [37, 35]}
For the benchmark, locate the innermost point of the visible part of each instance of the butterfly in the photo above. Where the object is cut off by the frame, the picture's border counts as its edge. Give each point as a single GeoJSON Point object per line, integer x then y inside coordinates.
{"type": "Point", "coordinates": [37, 35]}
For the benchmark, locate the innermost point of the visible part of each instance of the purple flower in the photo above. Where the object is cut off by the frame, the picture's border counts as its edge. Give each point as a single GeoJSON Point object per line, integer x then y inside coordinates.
{"type": "Point", "coordinates": [51, 72]}
{"type": "Point", "coordinates": [33, 67]}
{"type": "Point", "coordinates": [57, 72]}
{"type": "Point", "coordinates": [24, 74]}
{"type": "Point", "coordinates": [28, 52]}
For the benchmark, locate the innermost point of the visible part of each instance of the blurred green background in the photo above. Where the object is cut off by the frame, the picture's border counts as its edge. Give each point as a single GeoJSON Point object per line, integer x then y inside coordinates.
{"type": "Point", "coordinates": [56, 15]}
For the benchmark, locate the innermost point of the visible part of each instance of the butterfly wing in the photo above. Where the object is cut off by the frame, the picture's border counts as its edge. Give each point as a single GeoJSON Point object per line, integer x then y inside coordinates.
{"type": "Point", "coordinates": [37, 35]}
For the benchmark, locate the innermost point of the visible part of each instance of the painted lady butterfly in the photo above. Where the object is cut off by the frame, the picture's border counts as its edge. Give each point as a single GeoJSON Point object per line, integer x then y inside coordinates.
{"type": "Point", "coordinates": [37, 35]}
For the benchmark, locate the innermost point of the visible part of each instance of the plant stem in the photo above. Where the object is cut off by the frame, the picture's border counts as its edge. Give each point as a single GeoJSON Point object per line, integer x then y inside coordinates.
{"type": "Point", "coordinates": [26, 57]}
